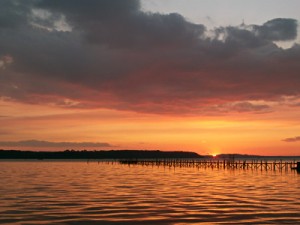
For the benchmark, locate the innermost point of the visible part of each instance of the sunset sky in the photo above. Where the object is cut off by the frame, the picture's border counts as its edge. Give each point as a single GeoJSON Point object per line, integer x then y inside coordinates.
{"type": "Point", "coordinates": [209, 76]}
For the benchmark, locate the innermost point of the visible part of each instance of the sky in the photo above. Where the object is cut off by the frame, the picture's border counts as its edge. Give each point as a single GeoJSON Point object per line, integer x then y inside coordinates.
{"type": "Point", "coordinates": [205, 76]}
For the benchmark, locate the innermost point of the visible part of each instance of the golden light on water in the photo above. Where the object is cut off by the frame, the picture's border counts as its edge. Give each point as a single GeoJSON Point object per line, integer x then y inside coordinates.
{"type": "Point", "coordinates": [114, 193]}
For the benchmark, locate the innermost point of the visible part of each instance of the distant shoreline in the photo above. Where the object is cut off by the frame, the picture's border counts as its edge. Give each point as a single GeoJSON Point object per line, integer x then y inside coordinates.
{"type": "Point", "coordinates": [122, 154]}
{"type": "Point", "coordinates": [99, 154]}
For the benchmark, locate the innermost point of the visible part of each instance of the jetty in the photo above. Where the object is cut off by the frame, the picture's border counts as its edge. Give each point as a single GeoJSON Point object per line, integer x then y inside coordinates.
{"type": "Point", "coordinates": [217, 164]}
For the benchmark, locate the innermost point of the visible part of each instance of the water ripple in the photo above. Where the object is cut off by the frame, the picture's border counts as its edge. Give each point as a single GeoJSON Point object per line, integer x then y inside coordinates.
{"type": "Point", "coordinates": [79, 193]}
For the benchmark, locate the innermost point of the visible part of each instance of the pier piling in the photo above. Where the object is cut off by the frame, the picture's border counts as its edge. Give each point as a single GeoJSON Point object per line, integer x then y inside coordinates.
{"type": "Point", "coordinates": [225, 164]}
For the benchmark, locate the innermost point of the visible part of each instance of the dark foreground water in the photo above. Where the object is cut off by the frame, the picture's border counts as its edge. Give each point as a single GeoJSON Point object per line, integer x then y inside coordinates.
{"type": "Point", "coordinates": [42, 192]}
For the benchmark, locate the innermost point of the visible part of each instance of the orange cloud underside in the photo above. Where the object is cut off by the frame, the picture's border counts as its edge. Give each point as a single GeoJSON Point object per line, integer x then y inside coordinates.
{"type": "Point", "coordinates": [240, 133]}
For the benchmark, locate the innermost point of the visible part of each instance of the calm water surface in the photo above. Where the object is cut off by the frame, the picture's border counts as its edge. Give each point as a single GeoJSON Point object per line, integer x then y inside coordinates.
{"type": "Point", "coordinates": [44, 192]}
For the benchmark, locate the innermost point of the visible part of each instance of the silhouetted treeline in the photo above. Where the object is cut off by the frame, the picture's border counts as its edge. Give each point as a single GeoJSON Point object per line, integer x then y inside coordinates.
{"type": "Point", "coordinates": [112, 154]}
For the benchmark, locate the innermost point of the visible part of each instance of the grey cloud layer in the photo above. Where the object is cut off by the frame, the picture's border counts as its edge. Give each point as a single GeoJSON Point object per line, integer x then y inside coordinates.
{"type": "Point", "coordinates": [116, 56]}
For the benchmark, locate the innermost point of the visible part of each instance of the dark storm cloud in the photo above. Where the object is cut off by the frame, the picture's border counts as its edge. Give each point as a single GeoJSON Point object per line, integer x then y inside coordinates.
{"type": "Point", "coordinates": [293, 139]}
{"type": "Point", "coordinates": [121, 24]}
{"type": "Point", "coordinates": [279, 29]}
{"type": "Point", "coordinates": [91, 10]}
{"type": "Point", "coordinates": [13, 13]}
{"type": "Point", "coordinates": [39, 143]}
{"type": "Point", "coordinates": [109, 53]}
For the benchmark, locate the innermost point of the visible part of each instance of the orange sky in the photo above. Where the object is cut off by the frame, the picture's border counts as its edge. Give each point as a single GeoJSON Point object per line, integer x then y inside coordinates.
{"type": "Point", "coordinates": [244, 133]}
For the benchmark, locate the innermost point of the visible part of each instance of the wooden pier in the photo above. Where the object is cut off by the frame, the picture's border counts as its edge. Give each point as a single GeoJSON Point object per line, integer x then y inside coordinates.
{"type": "Point", "coordinates": [218, 164]}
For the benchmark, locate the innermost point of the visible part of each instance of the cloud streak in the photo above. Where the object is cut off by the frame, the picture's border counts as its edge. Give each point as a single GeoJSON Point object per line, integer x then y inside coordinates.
{"type": "Point", "coordinates": [48, 144]}
{"type": "Point", "coordinates": [293, 139]}
{"type": "Point", "coordinates": [111, 54]}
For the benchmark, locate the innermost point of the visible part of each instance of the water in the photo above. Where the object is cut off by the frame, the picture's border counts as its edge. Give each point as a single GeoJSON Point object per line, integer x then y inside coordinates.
{"type": "Point", "coordinates": [45, 192]}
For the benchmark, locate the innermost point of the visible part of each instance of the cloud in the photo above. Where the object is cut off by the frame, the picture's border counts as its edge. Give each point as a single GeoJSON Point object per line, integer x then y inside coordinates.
{"type": "Point", "coordinates": [242, 107]}
{"type": "Point", "coordinates": [121, 24]}
{"type": "Point", "coordinates": [5, 61]}
{"type": "Point", "coordinates": [13, 13]}
{"type": "Point", "coordinates": [248, 107]}
{"type": "Point", "coordinates": [45, 144]}
{"type": "Point", "coordinates": [296, 104]}
{"type": "Point", "coordinates": [293, 139]}
{"type": "Point", "coordinates": [110, 54]}
{"type": "Point", "coordinates": [280, 29]}
{"type": "Point", "coordinates": [2, 132]}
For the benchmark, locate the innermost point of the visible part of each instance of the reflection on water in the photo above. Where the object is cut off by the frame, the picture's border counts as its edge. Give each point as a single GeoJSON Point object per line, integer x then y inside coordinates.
{"type": "Point", "coordinates": [41, 192]}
